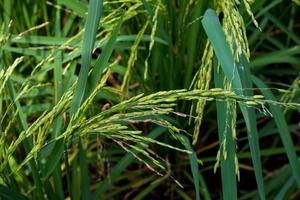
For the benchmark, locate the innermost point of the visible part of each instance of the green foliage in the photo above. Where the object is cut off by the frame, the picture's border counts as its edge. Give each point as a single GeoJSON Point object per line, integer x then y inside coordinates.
{"type": "Point", "coordinates": [146, 99]}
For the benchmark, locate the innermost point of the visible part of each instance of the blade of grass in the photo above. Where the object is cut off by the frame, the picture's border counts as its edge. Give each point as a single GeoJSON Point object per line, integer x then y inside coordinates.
{"type": "Point", "coordinates": [58, 65]}
{"type": "Point", "coordinates": [84, 178]}
{"type": "Point", "coordinates": [194, 165]}
{"type": "Point", "coordinates": [276, 182]}
{"type": "Point", "coordinates": [39, 54]}
{"type": "Point", "coordinates": [78, 7]}
{"type": "Point", "coordinates": [182, 194]}
{"type": "Point", "coordinates": [284, 190]}
{"type": "Point", "coordinates": [264, 9]}
{"type": "Point", "coordinates": [282, 27]}
{"type": "Point", "coordinates": [142, 194]}
{"type": "Point", "coordinates": [160, 27]}
{"type": "Point", "coordinates": [76, 189]}
{"type": "Point", "coordinates": [216, 35]}
{"type": "Point", "coordinates": [50, 40]}
{"type": "Point", "coordinates": [289, 55]}
{"type": "Point", "coordinates": [9, 194]}
{"type": "Point", "coordinates": [102, 61]}
{"type": "Point", "coordinates": [282, 129]}
{"type": "Point", "coordinates": [89, 37]}
{"type": "Point", "coordinates": [229, 185]}
{"type": "Point", "coordinates": [39, 40]}
{"type": "Point", "coordinates": [51, 195]}
{"type": "Point", "coordinates": [246, 155]}
{"type": "Point", "coordinates": [206, 193]}
{"type": "Point", "coordinates": [54, 160]}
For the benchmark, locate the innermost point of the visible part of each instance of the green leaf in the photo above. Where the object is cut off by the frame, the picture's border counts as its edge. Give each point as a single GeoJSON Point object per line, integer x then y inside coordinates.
{"type": "Point", "coordinates": [78, 7]}
{"type": "Point", "coordinates": [54, 159]}
{"type": "Point", "coordinates": [102, 61]}
{"type": "Point", "coordinates": [89, 37]}
{"type": "Point", "coordinates": [84, 178]}
{"type": "Point", "coordinates": [194, 166]}
{"type": "Point", "coordinates": [282, 129]}
{"type": "Point", "coordinates": [9, 194]}
{"type": "Point", "coordinates": [216, 35]}
{"type": "Point", "coordinates": [290, 55]}
{"type": "Point", "coordinates": [229, 185]}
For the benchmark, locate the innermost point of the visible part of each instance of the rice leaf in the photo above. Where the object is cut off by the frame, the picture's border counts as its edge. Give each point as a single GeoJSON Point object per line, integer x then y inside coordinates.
{"type": "Point", "coordinates": [227, 143]}
{"type": "Point", "coordinates": [194, 166]}
{"type": "Point", "coordinates": [9, 194]}
{"type": "Point", "coordinates": [84, 178]}
{"type": "Point", "coordinates": [282, 129]}
{"type": "Point", "coordinates": [78, 7]}
{"type": "Point", "coordinates": [102, 61]}
{"type": "Point", "coordinates": [89, 37]}
{"type": "Point", "coordinates": [216, 36]}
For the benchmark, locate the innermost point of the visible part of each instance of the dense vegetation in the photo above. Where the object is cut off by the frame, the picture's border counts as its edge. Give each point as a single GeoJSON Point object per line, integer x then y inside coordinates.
{"type": "Point", "coordinates": [149, 99]}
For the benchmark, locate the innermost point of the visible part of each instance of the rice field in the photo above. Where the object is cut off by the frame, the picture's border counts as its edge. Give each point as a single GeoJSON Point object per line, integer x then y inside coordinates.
{"type": "Point", "coordinates": [149, 99]}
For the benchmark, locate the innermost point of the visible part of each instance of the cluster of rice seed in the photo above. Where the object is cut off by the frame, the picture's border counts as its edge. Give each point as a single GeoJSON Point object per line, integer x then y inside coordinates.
{"type": "Point", "coordinates": [229, 131]}
{"type": "Point", "coordinates": [235, 33]}
{"type": "Point", "coordinates": [5, 74]}
{"type": "Point", "coordinates": [154, 22]}
{"type": "Point", "coordinates": [201, 81]}
{"type": "Point", "coordinates": [134, 49]}
{"type": "Point", "coordinates": [234, 27]}
{"type": "Point", "coordinates": [288, 97]}
{"type": "Point", "coordinates": [129, 9]}
{"type": "Point", "coordinates": [190, 5]}
{"type": "Point", "coordinates": [115, 121]}
{"type": "Point", "coordinates": [296, 2]}
{"type": "Point", "coordinates": [39, 131]}
{"type": "Point", "coordinates": [4, 36]}
{"type": "Point", "coordinates": [110, 123]}
{"type": "Point", "coordinates": [132, 59]}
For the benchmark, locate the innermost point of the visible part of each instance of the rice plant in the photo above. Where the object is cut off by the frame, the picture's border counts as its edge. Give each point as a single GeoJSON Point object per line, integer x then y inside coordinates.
{"type": "Point", "coordinates": [149, 99]}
